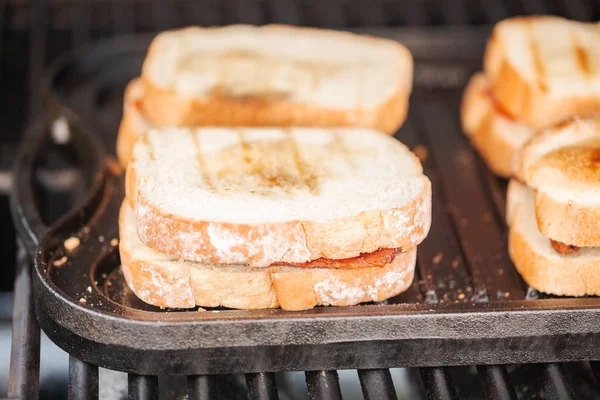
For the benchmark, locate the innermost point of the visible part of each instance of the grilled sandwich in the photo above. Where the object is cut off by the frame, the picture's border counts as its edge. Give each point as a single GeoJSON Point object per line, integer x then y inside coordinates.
{"type": "Point", "coordinates": [553, 209]}
{"type": "Point", "coordinates": [275, 76]}
{"type": "Point", "coordinates": [268, 217]}
{"type": "Point", "coordinates": [543, 69]}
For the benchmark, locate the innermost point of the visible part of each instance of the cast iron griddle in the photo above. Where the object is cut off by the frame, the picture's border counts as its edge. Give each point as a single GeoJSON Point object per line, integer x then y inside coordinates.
{"type": "Point", "coordinates": [467, 305]}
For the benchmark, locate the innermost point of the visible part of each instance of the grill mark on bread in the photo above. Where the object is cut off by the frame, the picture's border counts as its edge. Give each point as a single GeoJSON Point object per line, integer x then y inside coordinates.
{"type": "Point", "coordinates": [563, 248]}
{"type": "Point", "coordinates": [538, 62]}
{"type": "Point", "coordinates": [340, 146]}
{"type": "Point", "coordinates": [310, 180]}
{"type": "Point", "coordinates": [201, 162]}
{"type": "Point", "coordinates": [149, 145]}
{"type": "Point", "coordinates": [255, 168]}
{"type": "Point", "coordinates": [582, 57]}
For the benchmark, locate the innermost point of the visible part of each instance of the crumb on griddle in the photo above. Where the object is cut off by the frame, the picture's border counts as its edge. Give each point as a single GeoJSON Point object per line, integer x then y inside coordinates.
{"type": "Point", "coordinates": [438, 258]}
{"type": "Point", "coordinates": [82, 300]}
{"type": "Point", "coordinates": [72, 243]}
{"type": "Point", "coordinates": [421, 152]}
{"type": "Point", "coordinates": [114, 242]}
{"type": "Point", "coordinates": [60, 261]}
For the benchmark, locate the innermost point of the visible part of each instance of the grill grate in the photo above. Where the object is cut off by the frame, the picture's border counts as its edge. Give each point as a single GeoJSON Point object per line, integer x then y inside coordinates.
{"type": "Point", "coordinates": [81, 22]}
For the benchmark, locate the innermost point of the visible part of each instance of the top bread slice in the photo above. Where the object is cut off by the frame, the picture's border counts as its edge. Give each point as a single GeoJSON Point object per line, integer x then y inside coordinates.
{"type": "Point", "coordinates": [259, 196]}
{"type": "Point", "coordinates": [496, 136]}
{"type": "Point", "coordinates": [276, 75]}
{"type": "Point", "coordinates": [562, 165]}
{"type": "Point", "coordinates": [544, 69]}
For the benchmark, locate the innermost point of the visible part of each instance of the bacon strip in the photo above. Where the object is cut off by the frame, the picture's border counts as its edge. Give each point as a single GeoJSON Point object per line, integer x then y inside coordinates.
{"type": "Point", "coordinates": [378, 258]}
{"type": "Point", "coordinates": [563, 248]}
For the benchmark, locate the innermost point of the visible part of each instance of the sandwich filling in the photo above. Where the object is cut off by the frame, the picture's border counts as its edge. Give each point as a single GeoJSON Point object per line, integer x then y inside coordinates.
{"type": "Point", "coordinates": [563, 248]}
{"type": "Point", "coordinates": [378, 258]}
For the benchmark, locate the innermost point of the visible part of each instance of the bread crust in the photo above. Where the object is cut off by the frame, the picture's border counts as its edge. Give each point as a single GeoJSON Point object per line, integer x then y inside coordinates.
{"type": "Point", "coordinates": [166, 108]}
{"type": "Point", "coordinates": [568, 222]}
{"type": "Point", "coordinates": [524, 100]}
{"type": "Point", "coordinates": [133, 124]}
{"type": "Point", "coordinates": [496, 137]}
{"type": "Point", "coordinates": [287, 242]}
{"type": "Point", "coordinates": [564, 276]}
{"type": "Point", "coordinates": [163, 281]}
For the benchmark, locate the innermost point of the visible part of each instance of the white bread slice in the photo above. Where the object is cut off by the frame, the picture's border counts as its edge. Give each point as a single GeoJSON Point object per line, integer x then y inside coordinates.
{"type": "Point", "coordinates": [562, 165]}
{"type": "Point", "coordinates": [544, 69]}
{"type": "Point", "coordinates": [276, 75]}
{"type": "Point", "coordinates": [542, 267]}
{"type": "Point", "coordinates": [162, 280]}
{"type": "Point", "coordinates": [133, 124]}
{"type": "Point", "coordinates": [496, 136]}
{"type": "Point", "coordinates": [259, 196]}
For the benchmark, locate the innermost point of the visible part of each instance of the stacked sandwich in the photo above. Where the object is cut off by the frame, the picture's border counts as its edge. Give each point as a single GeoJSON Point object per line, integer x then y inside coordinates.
{"type": "Point", "coordinates": [553, 210]}
{"type": "Point", "coordinates": [539, 71]}
{"type": "Point", "coordinates": [282, 215]}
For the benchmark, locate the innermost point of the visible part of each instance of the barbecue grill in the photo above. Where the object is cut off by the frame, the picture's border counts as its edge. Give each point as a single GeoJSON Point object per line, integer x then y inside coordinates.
{"type": "Point", "coordinates": [467, 306]}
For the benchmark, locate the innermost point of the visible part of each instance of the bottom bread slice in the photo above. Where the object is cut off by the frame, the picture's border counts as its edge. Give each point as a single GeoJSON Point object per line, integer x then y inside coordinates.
{"type": "Point", "coordinates": [162, 280]}
{"type": "Point", "coordinates": [541, 266]}
{"type": "Point", "coordinates": [496, 137]}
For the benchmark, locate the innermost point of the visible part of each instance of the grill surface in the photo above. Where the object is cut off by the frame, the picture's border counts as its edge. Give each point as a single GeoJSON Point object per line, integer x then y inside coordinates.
{"type": "Point", "coordinates": [461, 210]}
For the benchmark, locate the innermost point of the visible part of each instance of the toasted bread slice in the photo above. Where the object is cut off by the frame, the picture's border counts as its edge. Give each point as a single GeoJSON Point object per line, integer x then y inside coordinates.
{"type": "Point", "coordinates": [496, 136]}
{"type": "Point", "coordinates": [575, 274]}
{"type": "Point", "coordinates": [259, 196]}
{"type": "Point", "coordinates": [544, 69]}
{"type": "Point", "coordinates": [162, 280]}
{"type": "Point", "coordinates": [133, 124]}
{"type": "Point", "coordinates": [562, 165]}
{"type": "Point", "coordinates": [276, 76]}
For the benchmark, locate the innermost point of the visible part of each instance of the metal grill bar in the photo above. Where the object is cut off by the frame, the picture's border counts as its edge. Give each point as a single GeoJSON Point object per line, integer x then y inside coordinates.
{"type": "Point", "coordinates": [377, 384]}
{"type": "Point", "coordinates": [201, 387]}
{"type": "Point", "coordinates": [142, 387]}
{"type": "Point", "coordinates": [495, 382]}
{"type": "Point", "coordinates": [261, 386]}
{"type": "Point", "coordinates": [437, 384]}
{"type": "Point", "coordinates": [554, 383]}
{"type": "Point", "coordinates": [83, 380]}
{"type": "Point", "coordinates": [23, 378]}
{"type": "Point", "coordinates": [323, 385]}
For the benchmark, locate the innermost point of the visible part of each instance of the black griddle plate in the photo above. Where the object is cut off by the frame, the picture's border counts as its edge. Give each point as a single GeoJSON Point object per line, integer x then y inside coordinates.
{"type": "Point", "coordinates": [467, 304]}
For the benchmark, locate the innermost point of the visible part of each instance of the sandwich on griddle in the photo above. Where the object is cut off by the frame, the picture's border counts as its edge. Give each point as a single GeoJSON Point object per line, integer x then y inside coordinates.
{"type": "Point", "coordinates": [553, 209]}
{"type": "Point", "coordinates": [538, 71]}
{"type": "Point", "coordinates": [271, 217]}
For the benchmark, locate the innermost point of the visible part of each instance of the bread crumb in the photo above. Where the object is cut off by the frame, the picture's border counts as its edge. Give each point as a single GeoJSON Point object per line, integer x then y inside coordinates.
{"type": "Point", "coordinates": [500, 271]}
{"type": "Point", "coordinates": [103, 276]}
{"type": "Point", "coordinates": [101, 239]}
{"type": "Point", "coordinates": [216, 311]}
{"type": "Point", "coordinates": [461, 296]}
{"type": "Point", "coordinates": [200, 309]}
{"type": "Point", "coordinates": [507, 294]}
{"type": "Point", "coordinates": [455, 263]}
{"type": "Point", "coordinates": [114, 242]}
{"type": "Point", "coordinates": [82, 300]}
{"type": "Point", "coordinates": [72, 243]}
{"type": "Point", "coordinates": [108, 283]}
{"type": "Point", "coordinates": [421, 152]}
{"type": "Point", "coordinates": [60, 261]}
{"type": "Point", "coordinates": [89, 289]}
{"type": "Point", "coordinates": [438, 258]}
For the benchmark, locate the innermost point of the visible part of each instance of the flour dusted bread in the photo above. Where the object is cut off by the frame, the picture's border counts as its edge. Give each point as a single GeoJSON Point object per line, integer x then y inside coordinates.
{"type": "Point", "coordinates": [544, 69]}
{"type": "Point", "coordinates": [133, 124]}
{"type": "Point", "coordinates": [269, 195]}
{"type": "Point", "coordinates": [575, 274]}
{"type": "Point", "coordinates": [496, 136]}
{"type": "Point", "coordinates": [562, 166]}
{"type": "Point", "coordinates": [275, 76]}
{"type": "Point", "coordinates": [165, 281]}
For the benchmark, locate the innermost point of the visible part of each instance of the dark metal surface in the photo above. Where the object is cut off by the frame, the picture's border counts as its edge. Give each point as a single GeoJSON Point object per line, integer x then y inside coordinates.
{"type": "Point", "coordinates": [83, 380]}
{"type": "Point", "coordinates": [143, 387]}
{"type": "Point", "coordinates": [377, 384]}
{"type": "Point", "coordinates": [323, 385]}
{"type": "Point", "coordinates": [261, 386]}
